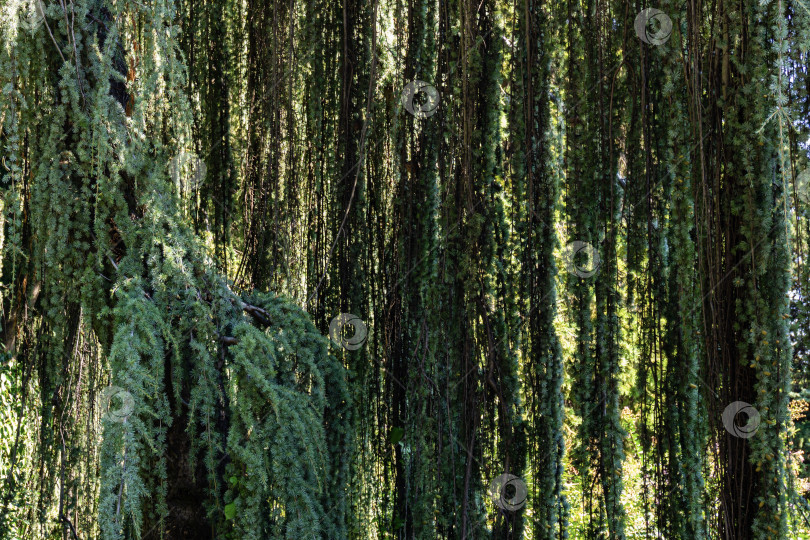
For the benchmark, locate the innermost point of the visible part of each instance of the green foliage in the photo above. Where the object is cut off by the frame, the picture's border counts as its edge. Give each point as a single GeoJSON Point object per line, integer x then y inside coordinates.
{"type": "Point", "coordinates": [163, 326]}
{"type": "Point", "coordinates": [682, 164]}
{"type": "Point", "coordinates": [277, 392]}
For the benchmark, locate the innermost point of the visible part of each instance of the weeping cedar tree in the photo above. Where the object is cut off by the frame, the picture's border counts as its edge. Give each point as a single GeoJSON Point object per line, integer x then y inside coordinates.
{"type": "Point", "coordinates": [237, 399]}
{"type": "Point", "coordinates": [555, 123]}
{"type": "Point", "coordinates": [742, 202]}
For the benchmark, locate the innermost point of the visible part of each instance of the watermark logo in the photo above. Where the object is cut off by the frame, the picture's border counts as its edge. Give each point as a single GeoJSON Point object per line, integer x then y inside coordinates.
{"type": "Point", "coordinates": [426, 108]}
{"type": "Point", "coordinates": [575, 249]}
{"type": "Point", "coordinates": [31, 16]}
{"type": "Point", "coordinates": [337, 326]}
{"type": "Point", "coordinates": [116, 404]}
{"type": "Point", "coordinates": [187, 170]}
{"type": "Point", "coordinates": [653, 26]}
{"type": "Point", "coordinates": [730, 415]}
{"type": "Point", "coordinates": [508, 492]}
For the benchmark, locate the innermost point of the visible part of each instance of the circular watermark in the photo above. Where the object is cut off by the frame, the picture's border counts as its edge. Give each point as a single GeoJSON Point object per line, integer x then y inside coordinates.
{"type": "Point", "coordinates": [508, 492]}
{"type": "Point", "coordinates": [420, 110]}
{"type": "Point", "coordinates": [572, 250]}
{"type": "Point", "coordinates": [116, 404]}
{"type": "Point", "coordinates": [187, 170]}
{"type": "Point", "coordinates": [356, 340]}
{"type": "Point", "coordinates": [730, 419]}
{"type": "Point", "coordinates": [653, 26]}
{"type": "Point", "coordinates": [31, 16]}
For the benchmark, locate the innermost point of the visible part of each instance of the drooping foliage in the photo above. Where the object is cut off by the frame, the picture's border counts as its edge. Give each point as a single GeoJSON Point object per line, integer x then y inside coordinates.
{"type": "Point", "coordinates": [115, 287]}
{"type": "Point", "coordinates": [568, 242]}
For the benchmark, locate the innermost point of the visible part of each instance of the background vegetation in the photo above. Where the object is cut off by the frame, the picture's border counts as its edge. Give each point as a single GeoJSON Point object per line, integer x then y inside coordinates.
{"type": "Point", "coordinates": [573, 245]}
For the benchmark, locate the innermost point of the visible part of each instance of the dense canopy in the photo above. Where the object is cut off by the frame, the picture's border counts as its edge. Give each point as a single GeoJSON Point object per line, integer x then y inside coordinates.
{"type": "Point", "coordinates": [404, 269]}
